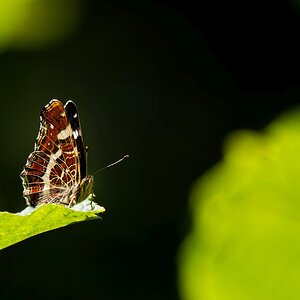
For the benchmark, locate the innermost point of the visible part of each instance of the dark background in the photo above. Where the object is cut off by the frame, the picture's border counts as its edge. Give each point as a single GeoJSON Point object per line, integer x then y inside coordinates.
{"type": "Point", "coordinates": [164, 82]}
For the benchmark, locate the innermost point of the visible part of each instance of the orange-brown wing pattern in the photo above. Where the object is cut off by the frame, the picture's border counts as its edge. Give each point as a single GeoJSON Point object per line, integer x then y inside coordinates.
{"type": "Point", "coordinates": [52, 171]}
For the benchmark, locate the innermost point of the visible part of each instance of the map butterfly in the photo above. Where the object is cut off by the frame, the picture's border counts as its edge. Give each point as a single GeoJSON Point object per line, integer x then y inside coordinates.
{"type": "Point", "coordinates": [56, 171]}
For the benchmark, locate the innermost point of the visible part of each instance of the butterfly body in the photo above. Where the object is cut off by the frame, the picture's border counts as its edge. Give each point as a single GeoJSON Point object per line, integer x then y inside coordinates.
{"type": "Point", "coordinates": [55, 172]}
{"type": "Point", "coordinates": [81, 191]}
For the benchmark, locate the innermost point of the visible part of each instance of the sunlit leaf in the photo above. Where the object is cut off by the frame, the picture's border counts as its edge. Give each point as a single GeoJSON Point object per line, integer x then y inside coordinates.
{"type": "Point", "coordinates": [18, 227]}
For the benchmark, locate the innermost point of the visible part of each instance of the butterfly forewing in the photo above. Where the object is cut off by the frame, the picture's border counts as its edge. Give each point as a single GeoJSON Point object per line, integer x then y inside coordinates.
{"type": "Point", "coordinates": [73, 117]}
{"type": "Point", "coordinates": [56, 167]}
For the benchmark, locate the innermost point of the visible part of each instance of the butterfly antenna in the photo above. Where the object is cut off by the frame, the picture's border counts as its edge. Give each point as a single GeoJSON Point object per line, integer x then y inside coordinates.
{"type": "Point", "coordinates": [115, 163]}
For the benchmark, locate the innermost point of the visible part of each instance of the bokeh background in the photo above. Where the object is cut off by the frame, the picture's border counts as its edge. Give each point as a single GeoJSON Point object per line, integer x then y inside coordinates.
{"type": "Point", "coordinates": [163, 81]}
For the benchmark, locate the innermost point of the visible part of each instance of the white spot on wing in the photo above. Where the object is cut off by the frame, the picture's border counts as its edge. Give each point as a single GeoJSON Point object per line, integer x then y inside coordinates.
{"type": "Point", "coordinates": [75, 134]}
{"type": "Point", "coordinates": [65, 133]}
{"type": "Point", "coordinates": [58, 153]}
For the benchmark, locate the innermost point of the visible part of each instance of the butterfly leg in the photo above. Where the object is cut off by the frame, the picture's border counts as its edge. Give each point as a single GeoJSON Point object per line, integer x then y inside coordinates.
{"type": "Point", "coordinates": [91, 198]}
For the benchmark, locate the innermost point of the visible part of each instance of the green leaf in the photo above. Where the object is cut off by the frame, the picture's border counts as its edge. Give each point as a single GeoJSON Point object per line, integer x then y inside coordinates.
{"type": "Point", "coordinates": [18, 227]}
{"type": "Point", "coordinates": [244, 242]}
{"type": "Point", "coordinates": [47, 22]}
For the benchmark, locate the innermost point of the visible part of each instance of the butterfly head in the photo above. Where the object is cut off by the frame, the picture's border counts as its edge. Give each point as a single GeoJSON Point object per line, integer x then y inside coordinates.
{"type": "Point", "coordinates": [85, 188]}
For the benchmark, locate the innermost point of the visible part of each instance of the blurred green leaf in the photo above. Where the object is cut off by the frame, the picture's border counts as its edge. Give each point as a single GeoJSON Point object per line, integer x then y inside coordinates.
{"type": "Point", "coordinates": [32, 24]}
{"type": "Point", "coordinates": [244, 242]}
{"type": "Point", "coordinates": [16, 227]}
{"type": "Point", "coordinates": [12, 15]}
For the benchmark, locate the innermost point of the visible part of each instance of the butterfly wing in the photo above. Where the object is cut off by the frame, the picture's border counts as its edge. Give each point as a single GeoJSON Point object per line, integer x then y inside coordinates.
{"type": "Point", "coordinates": [73, 117]}
{"type": "Point", "coordinates": [53, 168]}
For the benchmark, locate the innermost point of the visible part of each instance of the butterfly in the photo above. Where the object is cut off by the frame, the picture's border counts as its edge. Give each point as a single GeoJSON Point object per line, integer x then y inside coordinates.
{"type": "Point", "coordinates": [56, 170]}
